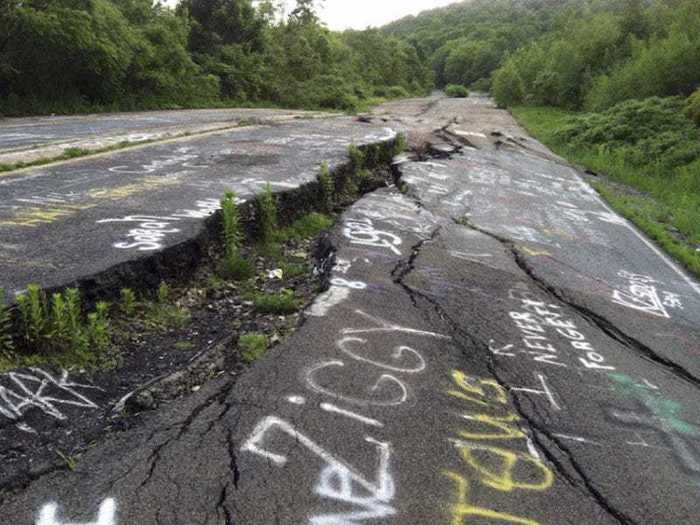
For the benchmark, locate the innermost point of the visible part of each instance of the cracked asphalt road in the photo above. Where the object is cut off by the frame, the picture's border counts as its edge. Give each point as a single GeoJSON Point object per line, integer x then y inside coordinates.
{"type": "Point", "coordinates": [74, 221]}
{"type": "Point", "coordinates": [495, 346]}
{"type": "Point", "coordinates": [21, 138]}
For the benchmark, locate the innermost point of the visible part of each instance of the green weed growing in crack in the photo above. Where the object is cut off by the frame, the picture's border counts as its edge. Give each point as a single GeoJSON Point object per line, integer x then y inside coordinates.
{"type": "Point", "coordinates": [99, 334]}
{"type": "Point", "coordinates": [267, 210]}
{"type": "Point", "coordinates": [32, 310]}
{"type": "Point", "coordinates": [165, 313]}
{"type": "Point", "coordinates": [253, 346]}
{"type": "Point", "coordinates": [235, 266]}
{"type": "Point", "coordinates": [401, 144]}
{"type": "Point", "coordinates": [128, 302]}
{"type": "Point", "coordinates": [327, 187]}
{"type": "Point", "coordinates": [284, 302]}
{"type": "Point", "coordinates": [357, 158]}
{"type": "Point", "coordinates": [7, 345]}
{"type": "Point", "coordinates": [58, 326]}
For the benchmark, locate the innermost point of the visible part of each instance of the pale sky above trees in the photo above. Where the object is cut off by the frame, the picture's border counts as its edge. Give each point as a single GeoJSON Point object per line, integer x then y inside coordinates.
{"type": "Point", "coordinates": [358, 14]}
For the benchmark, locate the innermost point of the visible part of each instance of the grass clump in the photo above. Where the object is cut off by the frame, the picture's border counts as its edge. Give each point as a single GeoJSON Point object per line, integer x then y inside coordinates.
{"type": "Point", "coordinates": [235, 266]}
{"type": "Point", "coordinates": [164, 312]}
{"type": "Point", "coordinates": [253, 346]}
{"type": "Point", "coordinates": [306, 227]}
{"type": "Point", "coordinates": [284, 302]}
{"type": "Point", "coordinates": [456, 91]}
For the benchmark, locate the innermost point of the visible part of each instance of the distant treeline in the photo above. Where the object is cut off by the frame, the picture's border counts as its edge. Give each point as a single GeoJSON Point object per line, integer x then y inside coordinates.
{"type": "Point", "coordinates": [79, 55]}
{"type": "Point", "coordinates": [574, 54]}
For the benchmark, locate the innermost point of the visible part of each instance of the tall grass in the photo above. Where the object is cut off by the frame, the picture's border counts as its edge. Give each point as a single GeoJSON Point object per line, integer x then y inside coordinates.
{"type": "Point", "coordinates": [671, 194]}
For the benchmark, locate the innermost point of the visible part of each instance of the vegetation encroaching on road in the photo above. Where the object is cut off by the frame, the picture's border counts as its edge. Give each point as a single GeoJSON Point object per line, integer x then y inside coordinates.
{"type": "Point", "coordinates": [63, 56]}
{"type": "Point", "coordinates": [260, 274]}
{"type": "Point", "coordinates": [632, 67]}
{"type": "Point", "coordinates": [648, 145]}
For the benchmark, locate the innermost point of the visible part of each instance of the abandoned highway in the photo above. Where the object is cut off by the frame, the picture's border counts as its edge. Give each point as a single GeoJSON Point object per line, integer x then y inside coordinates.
{"type": "Point", "coordinates": [495, 345]}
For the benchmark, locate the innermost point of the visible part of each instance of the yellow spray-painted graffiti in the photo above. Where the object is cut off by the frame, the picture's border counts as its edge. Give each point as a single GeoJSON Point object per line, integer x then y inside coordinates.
{"type": "Point", "coordinates": [501, 469]}
{"type": "Point", "coordinates": [32, 217]}
{"type": "Point", "coordinates": [462, 509]}
{"type": "Point", "coordinates": [505, 424]}
{"type": "Point", "coordinates": [469, 388]}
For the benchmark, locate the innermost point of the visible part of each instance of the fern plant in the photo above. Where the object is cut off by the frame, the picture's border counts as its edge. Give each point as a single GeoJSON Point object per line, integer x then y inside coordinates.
{"type": "Point", "coordinates": [235, 266]}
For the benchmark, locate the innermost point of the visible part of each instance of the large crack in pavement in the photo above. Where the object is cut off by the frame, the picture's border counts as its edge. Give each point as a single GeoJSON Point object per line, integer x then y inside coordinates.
{"type": "Point", "coordinates": [595, 319]}
{"type": "Point", "coordinates": [581, 481]}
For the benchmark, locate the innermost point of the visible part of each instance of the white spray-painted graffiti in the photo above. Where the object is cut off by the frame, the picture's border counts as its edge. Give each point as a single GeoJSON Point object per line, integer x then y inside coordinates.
{"type": "Point", "coordinates": [41, 390]}
{"type": "Point", "coordinates": [534, 319]}
{"type": "Point", "coordinates": [105, 516]}
{"type": "Point", "coordinates": [151, 230]}
{"type": "Point", "coordinates": [337, 480]}
{"type": "Point", "coordinates": [362, 232]}
{"type": "Point", "coordinates": [642, 295]}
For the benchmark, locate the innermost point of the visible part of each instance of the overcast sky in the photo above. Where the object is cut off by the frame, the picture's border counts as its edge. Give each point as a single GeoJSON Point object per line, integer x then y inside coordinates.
{"type": "Point", "coordinates": [358, 14]}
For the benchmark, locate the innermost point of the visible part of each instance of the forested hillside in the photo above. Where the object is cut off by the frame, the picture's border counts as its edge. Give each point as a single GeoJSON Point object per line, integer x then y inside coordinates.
{"type": "Point", "coordinates": [611, 84]}
{"type": "Point", "coordinates": [79, 55]}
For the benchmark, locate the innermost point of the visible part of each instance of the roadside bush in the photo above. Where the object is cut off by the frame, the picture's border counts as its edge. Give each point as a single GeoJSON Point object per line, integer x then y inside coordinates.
{"type": "Point", "coordinates": [397, 92]}
{"type": "Point", "coordinates": [456, 91]}
{"type": "Point", "coordinates": [483, 85]}
{"type": "Point", "coordinates": [654, 130]}
{"type": "Point", "coordinates": [507, 87]}
{"type": "Point", "coordinates": [692, 108]}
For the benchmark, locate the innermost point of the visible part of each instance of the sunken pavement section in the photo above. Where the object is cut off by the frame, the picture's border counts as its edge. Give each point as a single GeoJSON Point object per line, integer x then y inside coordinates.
{"type": "Point", "coordinates": [495, 346]}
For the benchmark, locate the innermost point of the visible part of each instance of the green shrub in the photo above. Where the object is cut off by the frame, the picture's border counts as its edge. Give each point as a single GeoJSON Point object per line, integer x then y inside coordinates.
{"type": "Point", "coordinates": [692, 109]}
{"type": "Point", "coordinates": [507, 87]}
{"type": "Point", "coordinates": [284, 302]}
{"type": "Point", "coordinates": [483, 85]}
{"type": "Point", "coordinates": [253, 346]}
{"type": "Point", "coordinates": [397, 92]}
{"type": "Point", "coordinates": [456, 91]}
{"type": "Point", "coordinates": [651, 131]}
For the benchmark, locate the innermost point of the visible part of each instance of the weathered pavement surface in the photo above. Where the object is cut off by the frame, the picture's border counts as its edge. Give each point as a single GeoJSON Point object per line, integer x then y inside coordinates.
{"type": "Point", "coordinates": [29, 139]}
{"type": "Point", "coordinates": [496, 346]}
{"type": "Point", "coordinates": [68, 222]}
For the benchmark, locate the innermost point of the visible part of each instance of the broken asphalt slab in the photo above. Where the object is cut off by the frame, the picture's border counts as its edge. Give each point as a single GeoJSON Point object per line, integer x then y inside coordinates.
{"type": "Point", "coordinates": [469, 362]}
{"type": "Point", "coordinates": [74, 221]}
